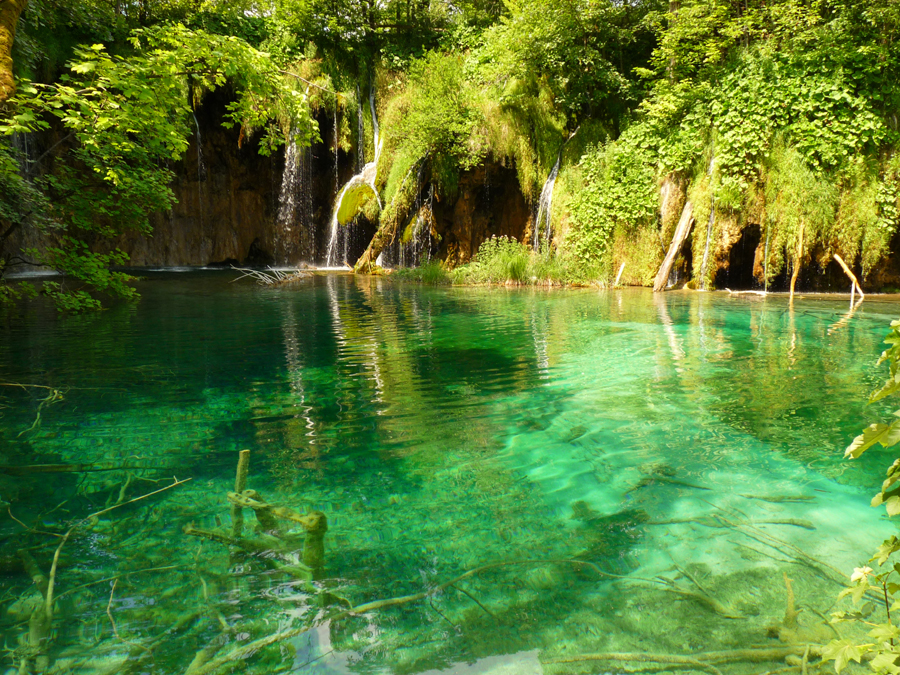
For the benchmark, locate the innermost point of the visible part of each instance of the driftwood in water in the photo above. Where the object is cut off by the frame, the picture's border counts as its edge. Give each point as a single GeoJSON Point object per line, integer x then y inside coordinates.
{"type": "Point", "coordinates": [240, 484]}
{"type": "Point", "coordinates": [678, 239]}
{"type": "Point", "coordinates": [703, 660]}
{"type": "Point", "coordinates": [272, 277]}
{"type": "Point", "coordinates": [762, 293]}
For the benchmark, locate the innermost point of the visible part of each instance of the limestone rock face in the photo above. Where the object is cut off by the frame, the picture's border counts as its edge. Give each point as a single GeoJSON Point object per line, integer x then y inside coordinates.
{"type": "Point", "coordinates": [489, 203]}
{"type": "Point", "coordinates": [230, 205]}
{"type": "Point", "coordinates": [228, 202]}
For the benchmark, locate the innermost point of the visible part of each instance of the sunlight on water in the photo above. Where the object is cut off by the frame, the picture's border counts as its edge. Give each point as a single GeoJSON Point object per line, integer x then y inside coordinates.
{"type": "Point", "coordinates": [648, 468]}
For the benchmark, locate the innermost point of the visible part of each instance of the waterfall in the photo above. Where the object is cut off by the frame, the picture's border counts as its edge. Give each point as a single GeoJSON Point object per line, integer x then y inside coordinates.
{"type": "Point", "coordinates": [287, 204]}
{"type": "Point", "coordinates": [375, 130]}
{"type": "Point", "coordinates": [340, 237]}
{"type": "Point", "coordinates": [201, 165]}
{"type": "Point", "coordinates": [201, 179]}
{"type": "Point", "coordinates": [23, 146]}
{"type": "Point", "coordinates": [709, 225]}
{"type": "Point", "coordinates": [360, 134]}
{"type": "Point", "coordinates": [545, 203]}
{"type": "Point", "coordinates": [418, 248]}
{"type": "Point", "coordinates": [295, 237]}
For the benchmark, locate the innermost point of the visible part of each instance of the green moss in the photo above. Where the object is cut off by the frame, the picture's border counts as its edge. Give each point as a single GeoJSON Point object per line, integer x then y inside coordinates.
{"type": "Point", "coordinates": [358, 199]}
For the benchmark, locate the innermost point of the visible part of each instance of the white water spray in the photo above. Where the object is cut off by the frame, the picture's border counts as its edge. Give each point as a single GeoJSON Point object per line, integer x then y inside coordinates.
{"type": "Point", "coordinates": [709, 225]}
{"type": "Point", "coordinates": [545, 203]}
{"type": "Point", "coordinates": [365, 177]}
{"type": "Point", "coordinates": [287, 202]}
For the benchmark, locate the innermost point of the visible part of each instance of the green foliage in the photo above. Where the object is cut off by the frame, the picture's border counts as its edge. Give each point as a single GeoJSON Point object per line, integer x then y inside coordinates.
{"type": "Point", "coordinates": [430, 272]}
{"type": "Point", "coordinates": [499, 260]}
{"type": "Point", "coordinates": [619, 190]}
{"type": "Point", "coordinates": [583, 50]}
{"type": "Point", "coordinates": [126, 117]}
{"type": "Point", "coordinates": [798, 200]}
{"type": "Point", "coordinates": [433, 117]}
{"type": "Point", "coordinates": [884, 650]}
{"type": "Point", "coordinates": [502, 260]}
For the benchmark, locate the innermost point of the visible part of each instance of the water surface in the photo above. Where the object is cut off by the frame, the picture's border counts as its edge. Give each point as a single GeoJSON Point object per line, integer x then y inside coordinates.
{"type": "Point", "coordinates": [687, 446]}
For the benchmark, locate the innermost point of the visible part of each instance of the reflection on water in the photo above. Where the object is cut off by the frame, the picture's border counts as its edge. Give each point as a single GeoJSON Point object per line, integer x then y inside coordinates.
{"type": "Point", "coordinates": [649, 466]}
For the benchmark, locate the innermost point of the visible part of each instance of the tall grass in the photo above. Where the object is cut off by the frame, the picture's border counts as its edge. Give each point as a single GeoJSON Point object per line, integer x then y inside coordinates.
{"type": "Point", "coordinates": [430, 272]}
{"type": "Point", "coordinates": [502, 260]}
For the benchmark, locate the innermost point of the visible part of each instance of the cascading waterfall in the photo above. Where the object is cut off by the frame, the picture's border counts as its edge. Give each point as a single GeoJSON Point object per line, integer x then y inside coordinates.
{"type": "Point", "coordinates": [545, 203]}
{"type": "Point", "coordinates": [295, 238]}
{"type": "Point", "coordinates": [340, 237]}
{"type": "Point", "coordinates": [709, 226]}
{"type": "Point", "coordinates": [287, 204]}
{"type": "Point", "coordinates": [418, 248]}
{"type": "Point", "coordinates": [23, 145]}
{"type": "Point", "coordinates": [375, 131]}
{"type": "Point", "coordinates": [360, 134]}
{"type": "Point", "coordinates": [201, 165]}
{"type": "Point", "coordinates": [201, 179]}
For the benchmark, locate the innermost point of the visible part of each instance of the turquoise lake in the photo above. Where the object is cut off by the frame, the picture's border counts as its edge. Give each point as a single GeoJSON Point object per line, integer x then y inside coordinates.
{"type": "Point", "coordinates": [650, 468]}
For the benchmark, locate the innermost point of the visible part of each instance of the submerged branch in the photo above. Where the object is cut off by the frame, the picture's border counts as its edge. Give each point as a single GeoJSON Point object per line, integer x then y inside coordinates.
{"type": "Point", "coordinates": [703, 660]}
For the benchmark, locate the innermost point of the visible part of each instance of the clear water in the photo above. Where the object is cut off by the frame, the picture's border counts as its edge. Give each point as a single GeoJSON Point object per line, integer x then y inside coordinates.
{"type": "Point", "coordinates": [439, 430]}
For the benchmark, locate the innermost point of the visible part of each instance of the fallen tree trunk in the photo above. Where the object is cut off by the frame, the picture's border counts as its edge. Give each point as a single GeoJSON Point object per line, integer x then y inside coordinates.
{"type": "Point", "coordinates": [678, 239]}
{"type": "Point", "coordinates": [392, 217]}
{"type": "Point", "coordinates": [854, 284]}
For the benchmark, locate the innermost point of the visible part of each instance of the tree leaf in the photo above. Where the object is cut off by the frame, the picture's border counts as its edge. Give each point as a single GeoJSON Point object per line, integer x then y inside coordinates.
{"type": "Point", "coordinates": [873, 434]}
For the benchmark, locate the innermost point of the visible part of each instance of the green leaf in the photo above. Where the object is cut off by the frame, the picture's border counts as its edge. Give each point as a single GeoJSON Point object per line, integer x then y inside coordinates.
{"type": "Point", "coordinates": [885, 632]}
{"type": "Point", "coordinates": [886, 661]}
{"type": "Point", "coordinates": [885, 434]}
{"type": "Point", "coordinates": [842, 652]}
{"type": "Point", "coordinates": [893, 506]}
{"type": "Point", "coordinates": [886, 550]}
{"type": "Point", "coordinates": [84, 67]}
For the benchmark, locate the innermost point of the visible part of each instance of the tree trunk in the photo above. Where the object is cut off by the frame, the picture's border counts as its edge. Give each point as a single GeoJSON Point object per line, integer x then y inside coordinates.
{"type": "Point", "coordinates": [796, 272]}
{"type": "Point", "coordinates": [9, 17]}
{"type": "Point", "coordinates": [681, 233]}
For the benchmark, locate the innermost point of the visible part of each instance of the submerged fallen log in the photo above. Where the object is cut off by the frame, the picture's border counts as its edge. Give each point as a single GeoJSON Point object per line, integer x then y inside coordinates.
{"type": "Point", "coordinates": [278, 548]}
{"type": "Point", "coordinates": [703, 660]}
{"type": "Point", "coordinates": [762, 293]}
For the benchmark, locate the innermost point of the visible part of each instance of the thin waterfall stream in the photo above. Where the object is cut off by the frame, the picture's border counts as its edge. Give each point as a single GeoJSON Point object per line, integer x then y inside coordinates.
{"type": "Point", "coordinates": [295, 236]}
{"type": "Point", "coordinates": [704, 284]}
{"type": "Point", "coordinates": [545, 203]}
{"type": "Point", "coordinates": [201, 178]}
{"type": "Point", "coordinates": [414, 245]}
{"type": "Point", "coordinates": [339, 240]}
{"type": "Point", "coordinates": [287, 203]}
